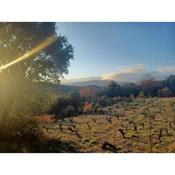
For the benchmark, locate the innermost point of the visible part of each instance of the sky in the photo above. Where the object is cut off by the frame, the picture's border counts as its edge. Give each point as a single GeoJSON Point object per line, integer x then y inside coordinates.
{"type": "Point", "coordinates": [120, 51]}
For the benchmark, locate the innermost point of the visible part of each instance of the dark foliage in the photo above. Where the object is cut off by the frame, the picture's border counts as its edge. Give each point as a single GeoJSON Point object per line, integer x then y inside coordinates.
{"type": "Point", "coordinates": [66, 106]}
{"type": "Point", "coordinates": [150, 88]}
{"type": "Point", "coordinates": [48, 65]}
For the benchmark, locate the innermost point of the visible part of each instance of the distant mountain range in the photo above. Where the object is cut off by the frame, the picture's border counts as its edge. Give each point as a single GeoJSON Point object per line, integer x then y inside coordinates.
{"type": "Point", "coordinates": [97, 85]}
{"type": "Point", "coordinates": [100, 83]}
{"type": "Point", "coordinates": [48, 88]}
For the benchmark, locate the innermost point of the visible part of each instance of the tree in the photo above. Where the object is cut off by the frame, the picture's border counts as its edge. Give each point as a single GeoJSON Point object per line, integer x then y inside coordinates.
{"type": "Point", "coordinates": [159, 93]}
{"type": "Point", "coordinates": [75, 100]}
{"type": "Point", "coordinates": [170, 83]}
{"type": "Point", "coordinates": [165, 92]}
{"type": "Point", "coordinates": [141, 95]}
{"type": "Point", "coordinates": [104, 101]}
{"type": "Point", "coordinates": [113, 89]}
{"type": "Point", "coordinates": [130, 88]}
{"type": "Point", "coordinates": [48, 65]}
{"type": "Point", "coordinates": [87, 92]}
{"type": "Point", "coordinates": [70, 111]}
{"type": "Point", "coordinates": [150, 86]}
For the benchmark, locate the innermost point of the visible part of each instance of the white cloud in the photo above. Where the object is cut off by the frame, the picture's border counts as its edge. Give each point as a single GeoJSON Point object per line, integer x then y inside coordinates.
{"type": "Point", "coordinates": [167, 69]}
{"type": "Point", "coordinates": [130, 73]}
{"type": "Point", "coordinates": [137, 72]}
{"type": "Point", "coordinates": [65, 81]}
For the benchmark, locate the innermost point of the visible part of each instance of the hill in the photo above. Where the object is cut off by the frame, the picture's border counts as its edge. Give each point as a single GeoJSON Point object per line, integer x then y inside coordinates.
{"type": "Point", "coordinates": [64, 89]}
{"type": "Point", "coordinates": [99, 83]}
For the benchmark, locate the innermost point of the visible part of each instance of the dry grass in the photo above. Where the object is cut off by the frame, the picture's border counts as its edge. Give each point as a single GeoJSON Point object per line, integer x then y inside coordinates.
{"type": "Point", "coordinates": [142, 129]}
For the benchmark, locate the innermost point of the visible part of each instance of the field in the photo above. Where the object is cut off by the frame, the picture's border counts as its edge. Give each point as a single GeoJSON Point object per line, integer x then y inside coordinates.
{"type": "Point", "coordinates": [144, 125]}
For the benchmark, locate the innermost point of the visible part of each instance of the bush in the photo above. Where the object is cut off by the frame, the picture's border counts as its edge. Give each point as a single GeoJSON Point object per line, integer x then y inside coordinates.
{"type": "Point", "coordinates": [104, 101]}
{"type": "Point", "coordinates": [75, 100]}
{"type": "Point", "coordinates": [116, 105]}
{"type": "Point", "coordinates": [129, 99]}
{"type": "Point", "coordinates": [88, 108]}
{"type": "Point", "coordinates": [165, 92]}
{"type": "Point", "coordinates": [109, 108]}
{"type": "Point", "coordinates": [132, 97]}
{"type": "Point", "coordinates": [62, 113]}
{"type": "Point", "coordinates": [66, 106]}
{"type": "Point", "coordinates": [18, 133]}
{"type": "Point", "coordinates": [80, 111]}
{"type": "Point", "coordinates": [100, 111]}
{"type": "Point", "coordinates": [113, 89]}
{"type": "Point", "coordinates": [96, 107]}
{"type": "Point", "coordinates": [70, 111]}
{"type": "Point", "coordinates": [58, 108]}
{"type": "Point", "coordinates": [45, 119]}
{"type": "Point", "coordinates": [141, 95]}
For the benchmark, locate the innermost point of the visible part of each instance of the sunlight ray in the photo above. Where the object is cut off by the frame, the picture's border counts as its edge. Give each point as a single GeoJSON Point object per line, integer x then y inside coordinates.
{"type": "Point", "coordinates": [43, 45]}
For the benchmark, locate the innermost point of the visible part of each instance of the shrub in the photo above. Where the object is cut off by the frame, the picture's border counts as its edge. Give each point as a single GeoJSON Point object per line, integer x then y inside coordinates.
{"type": "Point", "coordinates": [96, 107]}
{"type": "Point", "coordinates": [70, 111]}
{"type": "Point", "coordinates": [75, 100]}
{"type": "Point", "coordinates": [62, 113]}
{"type": "Point", "coordinates": [80, 111]}
{"type": "Point", "coordinates": [141, 95]}
{"type": "Point", "coordinates": [114, 100]}
{"type": "Point", "coordinates": [100, 111]}
{"type": "Point", "coordinates": [66, 105]}
{"type": "Point", "coordinates": [109, 108]}
{"type": "Point", "coordinates": [113, 89]}
{"type": "Point", "coordinates": [165, 92]}
{"type": "Point", "coordinates": [132, 97]}
{"type": "Point", "coordinates": [88, 108]}
{"type": "Point", "coordinates": [116, 106]}
{"type": "Point", "coordinates": [129, 99]}
{"type": "Point", "coordinates": [87, 92]}
{"type": "Point", "coordinates": [104, 101]}
{"type": "Point", "coordinates": [45, 119]}
{"type": "Point", "coordinates": [59, 107]}
{"type": "Point", "coordinates": [17, 133]}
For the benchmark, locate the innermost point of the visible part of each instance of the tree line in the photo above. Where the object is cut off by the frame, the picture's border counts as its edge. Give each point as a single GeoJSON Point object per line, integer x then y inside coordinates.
{"type": "Point", "coordinates": [148, 87]}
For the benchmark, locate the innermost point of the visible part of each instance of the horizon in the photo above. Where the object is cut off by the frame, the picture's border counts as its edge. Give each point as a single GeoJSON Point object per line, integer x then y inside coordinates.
{"type": "Point", "coordinates": [119, 51]}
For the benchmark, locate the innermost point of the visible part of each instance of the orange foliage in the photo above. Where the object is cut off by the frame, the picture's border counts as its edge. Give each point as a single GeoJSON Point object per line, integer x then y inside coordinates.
{"type": "Point", "coordinates": [45, 119]}
{"type": "Point", "coordinates": [87, 92]}
{"type": "Point", "coordinates": [88, 107]}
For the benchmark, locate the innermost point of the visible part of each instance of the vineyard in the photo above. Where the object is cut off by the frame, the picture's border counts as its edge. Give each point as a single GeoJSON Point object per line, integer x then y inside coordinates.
{"type": "Point", "coordinates": [144, 125]}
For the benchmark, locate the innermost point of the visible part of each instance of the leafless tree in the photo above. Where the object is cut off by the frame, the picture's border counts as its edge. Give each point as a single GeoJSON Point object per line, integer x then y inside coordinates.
{"type": "Point", "coordinates": [117, 115]}
{"type": "Point", "coordinates": [109, 119]}
{"type": "Point", "coordinates": [46, 128]}
{"type": "Point", "coordinates": [74, 131]}
{"type": "Point", "coordinates": [74, 126]}
{"type": "Point", "coordinates": [71, 120]}
{"type": "Point", "coordinates": [150, 127]}
{"type": "Point", "coordinates": [143, 125]}
{"type": "Point", "coordinates": [88, 125]}
{"type": "Point", "coordinates": [94, 119]}
{"type": "Point", "coordinates": [160, 135]}
{"type": "Point", "coordinates": [167, 131]}
{"type": "Point", "coordinates": [122, 132]}
{"type": "Point", "coordinates": [109, 147]}
{"type": "Point", "coordinates": [60, 126]}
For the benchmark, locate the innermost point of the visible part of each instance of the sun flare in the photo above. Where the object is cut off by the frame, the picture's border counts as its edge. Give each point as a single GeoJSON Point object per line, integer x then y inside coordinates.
{"type": "Point", "coordinates": [43, 45]}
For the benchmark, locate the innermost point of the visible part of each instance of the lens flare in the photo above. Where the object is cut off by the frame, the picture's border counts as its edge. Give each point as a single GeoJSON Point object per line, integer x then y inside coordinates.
{"type": "Point", "coordinates": [43, 45]}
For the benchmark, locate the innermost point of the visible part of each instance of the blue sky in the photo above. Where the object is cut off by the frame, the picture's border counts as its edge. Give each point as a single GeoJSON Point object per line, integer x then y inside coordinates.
{"type": "Point", "coordinates": [114, 50]}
